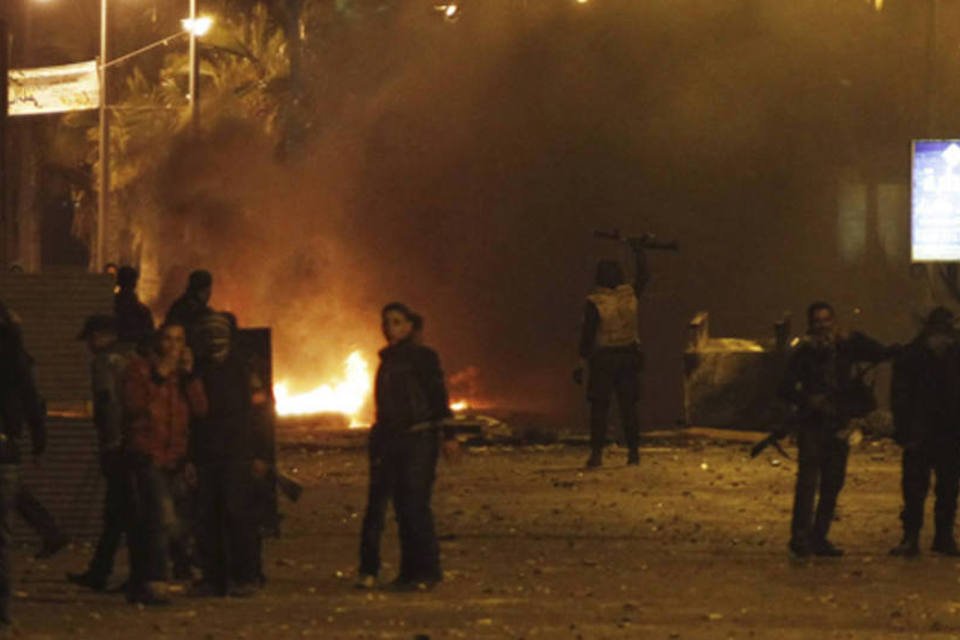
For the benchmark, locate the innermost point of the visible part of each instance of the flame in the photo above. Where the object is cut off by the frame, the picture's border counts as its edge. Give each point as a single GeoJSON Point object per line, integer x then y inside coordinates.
{"type": "Point", "coordinates": [459, 406]}
{"type": "Point", "coordinates": [348, 396]}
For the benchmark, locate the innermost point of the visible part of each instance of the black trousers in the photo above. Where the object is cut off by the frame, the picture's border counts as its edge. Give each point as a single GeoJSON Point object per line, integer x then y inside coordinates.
{"type": "Point", "coordinates": [152, 518]}
{"type": "Point", "coordinates": [9, 486]}
{"type": "Point", "coordinates": [228, 531]}
{"type": "Point", "coordinates": [116, 506]}
{"type": "Point", "coordinates": [614, 372]}
{"type": "Point", "coordinates": [29, 507]}
{"type": "Point", "coordinates": [918, 463]}
{"type": "Point", "coordinates": [403, 470]}
{"type": "Point", "coordinates": [821, 468]}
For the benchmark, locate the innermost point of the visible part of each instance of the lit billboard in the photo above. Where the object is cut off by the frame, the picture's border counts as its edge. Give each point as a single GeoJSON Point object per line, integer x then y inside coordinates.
{"type": "Point", "coordinates": [935, 208]}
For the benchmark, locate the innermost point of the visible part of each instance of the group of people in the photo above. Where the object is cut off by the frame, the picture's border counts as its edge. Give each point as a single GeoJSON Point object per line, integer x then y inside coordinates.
{"type": "Point", "coordinates": [185, 449]}
{"type": "Point", "coordinates": [824, 385]}
{"type": "Point", "coordinates": [825, 388]}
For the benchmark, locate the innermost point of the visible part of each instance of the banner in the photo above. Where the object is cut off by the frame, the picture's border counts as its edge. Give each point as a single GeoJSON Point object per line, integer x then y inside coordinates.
{"type": "Point", "coordinates": [71, 87]}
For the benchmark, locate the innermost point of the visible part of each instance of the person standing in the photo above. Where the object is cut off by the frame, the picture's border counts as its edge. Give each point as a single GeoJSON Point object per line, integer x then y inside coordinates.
{"type": "Point", "coordinates": [160, 396]}
{"type": "Point", "coordinates": [110, 359]}
{"type": "Point", "coordinates": [411, 402]}
{"type": "Point", "coordinates": [190, 308]}
{"type": "Point", "coordinates": [822, 383]}
{"type": "Point", "coordinates": [925, 398]}
{"type": "Point", "coordinates": [610, 350]}
{"type": "Point", "coordinates": [19, 403]}
{"type": "Point", "coordinates": [229, 454]}
{"type": "Point", "coordinates": [134, 322]}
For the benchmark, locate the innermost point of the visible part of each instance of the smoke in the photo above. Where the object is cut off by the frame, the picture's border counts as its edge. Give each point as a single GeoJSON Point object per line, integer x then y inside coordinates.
{"type": "Point", "coordinates": [461, 168]}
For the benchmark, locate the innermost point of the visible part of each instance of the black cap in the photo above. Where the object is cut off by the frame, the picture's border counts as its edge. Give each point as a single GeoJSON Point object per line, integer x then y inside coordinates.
{"type": "Point", "coordinates": [98, 324]}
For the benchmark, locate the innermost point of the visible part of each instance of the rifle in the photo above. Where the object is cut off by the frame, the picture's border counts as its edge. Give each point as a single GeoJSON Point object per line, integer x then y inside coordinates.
{"type": "Point", "coordinates": [646, 241]}
{"type": "Point", "coordinates": [772, 440]}
{"type": "Point", "coordinates": [287, 485]}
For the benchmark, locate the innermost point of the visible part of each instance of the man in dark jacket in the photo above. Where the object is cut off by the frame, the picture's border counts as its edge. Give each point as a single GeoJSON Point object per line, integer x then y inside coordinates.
{"type": "Point", "coordinates": [610, 348]}
{"type": "Point", "coordinates": [411, 402]}
{"type": "Point", "coordinates": [229, 453]}
{"type": "Point", "coordinates": [110, 359]}
{"type": "Point", "coordinates": [822, 383]}
{"type": "Point", "coordinates": [19, 403]}
{"type": "Point", "coordinates": [134, 322]}
{"type": "Point", "coordinates": [190, 308]}
{"type": "Point", "coordinates": [925, 398]}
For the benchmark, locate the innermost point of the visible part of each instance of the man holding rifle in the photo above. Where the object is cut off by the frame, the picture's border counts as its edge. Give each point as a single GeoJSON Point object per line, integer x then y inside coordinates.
{"type": "Point", "coordinates": [610, 347]}
{"type": "Point", "coordinates": [823, 383]}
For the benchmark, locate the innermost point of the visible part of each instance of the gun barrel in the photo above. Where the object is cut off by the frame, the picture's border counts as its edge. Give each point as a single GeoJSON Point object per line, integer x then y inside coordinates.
{"type": "Point", "coordinates": [607, 235]}
{"type": "Point", "coordinates": [656, 245]}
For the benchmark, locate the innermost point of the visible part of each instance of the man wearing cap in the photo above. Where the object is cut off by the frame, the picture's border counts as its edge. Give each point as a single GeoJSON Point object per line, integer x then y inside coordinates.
{"type": "Point", "coordinates": [925, 398]}
{"type": "Point", "coordinates": [110, 359]}
{"type": "Point", "coordinates": [134, 320]}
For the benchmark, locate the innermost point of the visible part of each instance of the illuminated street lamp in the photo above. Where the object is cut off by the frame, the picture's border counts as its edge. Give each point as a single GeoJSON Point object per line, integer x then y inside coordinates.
{"type": "Point", "coordinates": [450, 11]}
{"type": "Point", "coordinates": [198, 27]}
{"type": "Point", "coordinates": [194, 26]}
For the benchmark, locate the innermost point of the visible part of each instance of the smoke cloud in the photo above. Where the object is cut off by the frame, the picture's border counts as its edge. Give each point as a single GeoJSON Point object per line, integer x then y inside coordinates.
{"type": "Point", "coordinates": [462, 168]}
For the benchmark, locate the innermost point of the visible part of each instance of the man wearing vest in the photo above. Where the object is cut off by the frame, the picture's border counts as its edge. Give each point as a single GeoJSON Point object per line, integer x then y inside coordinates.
{"type": "Point", "coordinates": [610, 348]}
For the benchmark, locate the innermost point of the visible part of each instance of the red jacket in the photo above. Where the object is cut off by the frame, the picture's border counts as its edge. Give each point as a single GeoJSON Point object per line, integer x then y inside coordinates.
{"type": "Point", "coordinates": [157, 412]}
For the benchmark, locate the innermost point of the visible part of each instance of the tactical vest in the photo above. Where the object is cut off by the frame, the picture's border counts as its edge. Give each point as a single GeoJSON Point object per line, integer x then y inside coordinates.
{"type": "Point", "coordinates": [618, 316]}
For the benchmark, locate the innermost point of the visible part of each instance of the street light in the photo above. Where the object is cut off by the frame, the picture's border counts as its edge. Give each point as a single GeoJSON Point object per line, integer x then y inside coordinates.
{"type": "Point", "coordinates": [194, 26]}
{"type": "Point", "coordinates": [198, 27]}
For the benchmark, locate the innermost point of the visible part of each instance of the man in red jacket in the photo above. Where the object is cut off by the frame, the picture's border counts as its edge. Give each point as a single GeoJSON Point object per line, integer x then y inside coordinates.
{"type": "Point", "coordinates": [160, 395]}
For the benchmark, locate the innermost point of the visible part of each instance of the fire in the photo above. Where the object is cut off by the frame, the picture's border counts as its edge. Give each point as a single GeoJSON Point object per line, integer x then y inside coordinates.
{"type": "Point", "coordinates": [459, 406]}
{"type": "Point", "coordinates": [347, 396]}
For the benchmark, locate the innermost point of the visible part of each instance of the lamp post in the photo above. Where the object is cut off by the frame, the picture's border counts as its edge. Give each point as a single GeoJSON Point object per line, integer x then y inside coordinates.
{"type": "Point", "coordinates": [195, 27]}
{"type": "Point", "coordinates": [194, 82]}
{"type": "Point", "coordinates": [103, 193]}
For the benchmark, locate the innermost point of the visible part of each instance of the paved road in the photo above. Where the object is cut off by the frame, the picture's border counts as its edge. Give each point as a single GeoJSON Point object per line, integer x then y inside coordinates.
{"type": "Point", "coordinates": [689, 545]}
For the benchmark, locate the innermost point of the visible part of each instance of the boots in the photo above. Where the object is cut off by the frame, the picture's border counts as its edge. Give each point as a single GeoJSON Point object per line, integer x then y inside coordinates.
{"type": "Point", "coordinates": [909, 547]}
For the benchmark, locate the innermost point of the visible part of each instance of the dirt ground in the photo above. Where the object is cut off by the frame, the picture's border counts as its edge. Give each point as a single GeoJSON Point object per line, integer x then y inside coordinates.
{"type": "Point", "coordinates": [689, 545]}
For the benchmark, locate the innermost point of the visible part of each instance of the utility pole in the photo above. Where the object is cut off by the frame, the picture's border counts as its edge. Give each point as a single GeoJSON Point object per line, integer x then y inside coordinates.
{"type": "Point", "coordinates": [194, 81]}
{"type": "Point", "coordinates": [932, 75]}
{"type": "Point", "coordinates": [4, 119]}
{"type": "Point", "coordinates": [103, 195]}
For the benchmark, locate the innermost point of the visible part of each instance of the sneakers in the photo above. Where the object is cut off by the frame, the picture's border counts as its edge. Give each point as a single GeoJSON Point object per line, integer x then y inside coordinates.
{"type": "Point", "coordinates": [88, 580]}
{"type": "Point", "coordinates": [595, 460]}
{"type": "Point", "coordinates": [909, 547]}
{"type": "Point", "coordinates": [366, 582]}
{"type": "Point", "coordinates": [946, 546]}
{"type": "Point", "coordinates": [825, 549]}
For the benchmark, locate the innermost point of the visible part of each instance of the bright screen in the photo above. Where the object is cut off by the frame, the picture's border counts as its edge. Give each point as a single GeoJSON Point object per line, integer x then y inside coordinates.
{"type": "Point", "coordinates": [935, 211]}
